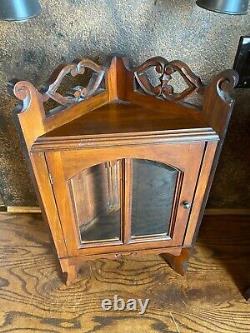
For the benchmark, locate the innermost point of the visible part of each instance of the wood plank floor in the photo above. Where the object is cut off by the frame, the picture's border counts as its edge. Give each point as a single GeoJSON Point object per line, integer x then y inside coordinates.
{"type": "Point", "coordinates": [208, 299]}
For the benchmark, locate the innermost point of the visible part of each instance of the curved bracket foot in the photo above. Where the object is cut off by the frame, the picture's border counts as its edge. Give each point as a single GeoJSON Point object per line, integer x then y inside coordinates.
{"type": "Point", "coordinates": [71, 275]}
{"type": "Point", "coordinates": [178, 263]}
{"type": "Point", "coordinates": [70, 270]}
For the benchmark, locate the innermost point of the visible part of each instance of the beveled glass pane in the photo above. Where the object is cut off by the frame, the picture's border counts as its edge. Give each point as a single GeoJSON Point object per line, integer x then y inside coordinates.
{"type": "Point", "coordinates": [96, 198]}
{"type": "Point", "coordinates": [153, 192]}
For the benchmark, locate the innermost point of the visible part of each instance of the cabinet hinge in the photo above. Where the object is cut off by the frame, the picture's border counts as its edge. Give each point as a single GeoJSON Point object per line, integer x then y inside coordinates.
{"type": "Point", "coordinates": [50, 179]}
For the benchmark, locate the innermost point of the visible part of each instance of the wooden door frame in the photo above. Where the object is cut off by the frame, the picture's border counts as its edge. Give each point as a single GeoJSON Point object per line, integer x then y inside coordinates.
{"type": "Point", "coordinates": [63, 165]}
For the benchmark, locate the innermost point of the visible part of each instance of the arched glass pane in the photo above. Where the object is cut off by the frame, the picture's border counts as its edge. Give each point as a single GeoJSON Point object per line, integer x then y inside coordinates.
{"type": "Point", "coordinates": [96, 194]}
{"type": "Point", "coordinates": [153, 192]}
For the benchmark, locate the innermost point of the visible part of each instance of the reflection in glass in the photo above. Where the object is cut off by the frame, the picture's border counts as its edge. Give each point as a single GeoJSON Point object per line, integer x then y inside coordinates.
{"type": "Point", "coordinates": [96, 197]}
{"type": "Point", "coordinates": [153, 192]}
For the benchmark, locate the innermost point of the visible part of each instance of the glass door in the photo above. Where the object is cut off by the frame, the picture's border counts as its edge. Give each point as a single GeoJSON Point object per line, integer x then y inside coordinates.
{"type": "Point", "coordinates": [153, 194]}
{"type": "Point", "coordinates": [116, 198]}
{"type": "Point", "coordinates": [97, 200]}
{"type": "Point", "coordinates": [96, 197]}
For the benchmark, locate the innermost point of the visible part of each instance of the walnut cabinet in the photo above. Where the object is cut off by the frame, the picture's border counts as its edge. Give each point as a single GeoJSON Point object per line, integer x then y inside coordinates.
{"type": "Point", "coordinates": [124, 161]}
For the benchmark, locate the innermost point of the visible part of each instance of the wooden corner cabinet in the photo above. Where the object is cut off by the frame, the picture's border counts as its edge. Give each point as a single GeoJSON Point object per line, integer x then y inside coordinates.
{"type": "Point", "coordinates": [124, 161]}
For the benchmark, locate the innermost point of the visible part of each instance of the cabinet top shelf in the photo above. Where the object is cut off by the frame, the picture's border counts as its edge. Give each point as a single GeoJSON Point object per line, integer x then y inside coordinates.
{"type": "Point", "coordinates": [126, 117]}
{"type": "Point", "coordinates": [119, 101]}
{"type": "Point", "coordinates": [129, 123]}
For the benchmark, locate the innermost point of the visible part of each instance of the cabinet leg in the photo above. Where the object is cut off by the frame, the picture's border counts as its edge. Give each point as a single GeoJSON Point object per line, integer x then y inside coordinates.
{"type": "Point", "coordinates": [72, 275]}
{"type": "Point", "coordinates": [178, 263]}
{"type": "Point", "coordinates": [70, 270]}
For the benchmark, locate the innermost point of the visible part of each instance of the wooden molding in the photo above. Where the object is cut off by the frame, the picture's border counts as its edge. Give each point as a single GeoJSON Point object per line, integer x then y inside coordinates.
{"type": "Point", "coordinates": [23, 209]}
{"type": "Point", "coordinates": [208, 212]}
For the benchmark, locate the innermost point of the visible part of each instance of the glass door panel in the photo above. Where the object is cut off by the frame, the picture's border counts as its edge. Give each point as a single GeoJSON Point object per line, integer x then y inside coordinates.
{"type": "Point", "coordinates": [96, 197]}
{"type": "Point", "coordinates": [153, 192]}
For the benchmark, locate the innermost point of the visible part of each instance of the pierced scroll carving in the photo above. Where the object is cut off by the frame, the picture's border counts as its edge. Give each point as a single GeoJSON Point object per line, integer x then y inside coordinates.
{"type": "Point", "coordinates": [193, 92]}
{"type": "Point", "coordinates": [78, 93]}
{"type": "Point", "coordinates": [225, 83]}
{"type": "Point", "coordinates": [24, 90]}
{"type": "Point", "coordinates": [165, 70]}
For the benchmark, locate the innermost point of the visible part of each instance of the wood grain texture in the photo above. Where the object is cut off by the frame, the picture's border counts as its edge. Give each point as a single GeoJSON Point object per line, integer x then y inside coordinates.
{"type": "Point", "coordinates": [207, 300]}
{"type": "Point", "coordinates": [123, 119]}
{"type": "Point", "coordinates": [131, 118]}
{"type": "Point", "coordinates": [66, 164]}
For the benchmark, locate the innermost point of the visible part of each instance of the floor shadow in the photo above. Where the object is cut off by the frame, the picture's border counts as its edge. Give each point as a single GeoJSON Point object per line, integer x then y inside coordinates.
{"type": "Point", "coordinates": [227, 239]}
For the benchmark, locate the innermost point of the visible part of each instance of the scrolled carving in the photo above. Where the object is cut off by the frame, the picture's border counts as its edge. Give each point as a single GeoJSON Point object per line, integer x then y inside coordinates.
{"type": "Point", "coordinates": [225, 83]}
{"type": "Point", "coordinates": [78, 93]}
{"type": "Point", "coordinates": [24, 90]}
{"type": "Point", "coordinates": [166, 69]}
{"type": "Point", "coordinates": [21, 90]}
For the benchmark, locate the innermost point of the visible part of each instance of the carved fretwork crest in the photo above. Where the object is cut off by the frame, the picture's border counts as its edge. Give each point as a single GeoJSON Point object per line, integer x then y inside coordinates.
{"type": "Point", "coordinates": [77, 93]}
{"type": "Point", "coordinates": [103, 79]}
{"type": "Point", "coordinates": [165, 70]}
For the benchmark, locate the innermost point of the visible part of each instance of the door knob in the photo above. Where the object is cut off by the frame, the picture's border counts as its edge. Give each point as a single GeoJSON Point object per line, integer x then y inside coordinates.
{"type": "Point", "coordinates": [186, 204]}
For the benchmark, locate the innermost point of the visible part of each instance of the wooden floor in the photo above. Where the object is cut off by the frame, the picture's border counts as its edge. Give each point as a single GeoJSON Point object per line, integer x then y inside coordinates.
{"type": "Point", "coordinates": [208, 299]}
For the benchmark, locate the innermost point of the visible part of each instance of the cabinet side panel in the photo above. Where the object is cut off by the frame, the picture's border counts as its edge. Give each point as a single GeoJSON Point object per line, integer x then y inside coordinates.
{"type": "Point", "coordinates": [48, 201]}
{"type": "Point", "coordinates": [201, 190]}
{"type": "Point", "coordinates": [62, 195]}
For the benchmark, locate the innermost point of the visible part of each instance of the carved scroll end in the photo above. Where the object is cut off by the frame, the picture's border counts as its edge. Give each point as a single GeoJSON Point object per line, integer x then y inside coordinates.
{"type": "Point", "coordinates": [25, 91]}
{"type": "Point", "coordinates": [225, 84]}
